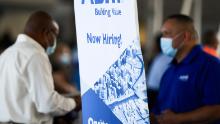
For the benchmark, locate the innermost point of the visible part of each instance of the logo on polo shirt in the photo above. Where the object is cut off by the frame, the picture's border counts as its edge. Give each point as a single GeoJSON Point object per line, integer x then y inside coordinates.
{"type": "Point", "coordinates": [184, 78]}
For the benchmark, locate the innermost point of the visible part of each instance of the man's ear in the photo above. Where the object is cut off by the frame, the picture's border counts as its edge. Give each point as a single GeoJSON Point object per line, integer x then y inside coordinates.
{"type": "Point", "coordinates": [187, 36]}
{"type": "Point", "coordinates": [48, 35]}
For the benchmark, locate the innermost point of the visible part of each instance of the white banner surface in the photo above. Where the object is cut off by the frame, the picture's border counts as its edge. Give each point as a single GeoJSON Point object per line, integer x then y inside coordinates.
{"type": "Point", "coordinates": [113, 85]}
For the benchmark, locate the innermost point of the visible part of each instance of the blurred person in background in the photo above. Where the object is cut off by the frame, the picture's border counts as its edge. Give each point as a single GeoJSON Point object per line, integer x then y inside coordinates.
{"type": "Point", "coordinates": [190, 86]}
{"type": "Point", "coordinates": [158, 66]}
{"type": "Point", "coordinates": [27, 92]}
{"type": "Point", "coordinates": [210, 43]}
{"type": "Point", "coordinates": [63, 69]}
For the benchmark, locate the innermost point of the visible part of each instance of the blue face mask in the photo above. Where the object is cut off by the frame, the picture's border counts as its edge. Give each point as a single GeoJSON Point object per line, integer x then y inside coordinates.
{"type": "Point", "coordinates": [166, 46]}
{"type": "Point", "coordinates": [50, 50]}
{"type": "Point", "coordinates": [65, 58]}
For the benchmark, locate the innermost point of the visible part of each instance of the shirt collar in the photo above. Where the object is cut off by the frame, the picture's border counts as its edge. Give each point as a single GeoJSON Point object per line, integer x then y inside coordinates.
{"type": "Point", "coordinates": [26, 38]}
{"type": "Point", "coordinates": [190, 56]}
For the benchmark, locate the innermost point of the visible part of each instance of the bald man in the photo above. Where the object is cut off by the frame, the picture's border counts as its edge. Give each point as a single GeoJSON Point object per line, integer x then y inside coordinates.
{"type": "Point", "coordinates": [190, 86]}
{"type": "Point", "coordinates": [26, 85]}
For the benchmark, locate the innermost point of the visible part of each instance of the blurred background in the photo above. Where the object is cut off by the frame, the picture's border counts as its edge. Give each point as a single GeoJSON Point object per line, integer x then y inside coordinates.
{"type": "Point", "coordinates": [151, 13]}
{"type": "Point", "coordinates": [14, 13]}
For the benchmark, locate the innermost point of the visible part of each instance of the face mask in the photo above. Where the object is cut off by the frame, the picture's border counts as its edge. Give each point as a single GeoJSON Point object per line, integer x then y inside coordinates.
{"type": "Point", "coordinates": [50, 50]}
{"type": "Point", "coordinates": [65, 59]}
{"type": "Point", "coordinates": [166, 46]}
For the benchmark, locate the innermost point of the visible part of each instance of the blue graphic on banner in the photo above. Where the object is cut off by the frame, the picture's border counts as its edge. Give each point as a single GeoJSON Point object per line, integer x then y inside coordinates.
{"type": "Point", "coordinates": [123, 88]}
{"type": "Point", "coordinates": [95, 111]}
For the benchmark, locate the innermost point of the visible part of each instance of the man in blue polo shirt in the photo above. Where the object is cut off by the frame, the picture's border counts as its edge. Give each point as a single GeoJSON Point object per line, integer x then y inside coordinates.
{"type": "Point", "coordinates": [190, 87]}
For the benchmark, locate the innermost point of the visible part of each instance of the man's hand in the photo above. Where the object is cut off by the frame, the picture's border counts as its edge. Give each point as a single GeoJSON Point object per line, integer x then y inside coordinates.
{"type": "Point", "coordinates": [77, 99]}
{"type": "Point", "coordinates": [168, 117]}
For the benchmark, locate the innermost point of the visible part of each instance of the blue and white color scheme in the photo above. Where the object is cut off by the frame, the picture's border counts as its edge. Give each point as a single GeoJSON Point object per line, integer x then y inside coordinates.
{"type": "Point", "coordinates": [113, 85]}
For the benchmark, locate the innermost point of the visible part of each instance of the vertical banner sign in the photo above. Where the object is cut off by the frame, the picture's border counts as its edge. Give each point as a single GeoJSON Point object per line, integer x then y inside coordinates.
{"type": "Point", "coordinates": [113, 85]}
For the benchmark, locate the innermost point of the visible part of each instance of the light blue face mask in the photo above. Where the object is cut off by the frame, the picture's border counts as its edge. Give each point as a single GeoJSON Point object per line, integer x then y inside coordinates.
{"type": "Point", "coordinates": [65, 59]}
{"type": "Point", "coordinates": [50, 50]}
{"type": "Point", "coordinates": [166, 46]}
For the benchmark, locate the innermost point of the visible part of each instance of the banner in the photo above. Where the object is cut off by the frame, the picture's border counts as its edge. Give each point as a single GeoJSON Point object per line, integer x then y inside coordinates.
{"type": "Point", "coordinates": [113, 85]}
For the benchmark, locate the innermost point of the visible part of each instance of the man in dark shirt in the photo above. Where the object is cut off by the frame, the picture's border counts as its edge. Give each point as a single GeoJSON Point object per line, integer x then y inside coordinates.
{"type": "Point", "coordinates": [190, 86]}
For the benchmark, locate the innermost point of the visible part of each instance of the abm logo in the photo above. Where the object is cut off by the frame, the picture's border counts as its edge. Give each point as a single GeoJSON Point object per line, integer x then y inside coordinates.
{"type": "Point", "coordinates": [100, 1]}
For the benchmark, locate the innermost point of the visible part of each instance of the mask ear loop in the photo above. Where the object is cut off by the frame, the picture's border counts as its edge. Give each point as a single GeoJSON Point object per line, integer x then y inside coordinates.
{"type": "Point", "coordinates": [177, 35]}
{"type": "Point", "coordinates": [182, 43]}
